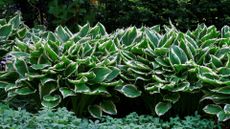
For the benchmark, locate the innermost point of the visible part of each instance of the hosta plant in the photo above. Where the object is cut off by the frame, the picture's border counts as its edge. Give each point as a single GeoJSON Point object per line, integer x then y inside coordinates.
{"type": "Point", "coordinates": [89, 69]}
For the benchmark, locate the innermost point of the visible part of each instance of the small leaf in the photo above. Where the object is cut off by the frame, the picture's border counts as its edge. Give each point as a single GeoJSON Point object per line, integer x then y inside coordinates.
{"type": "Point", "coordinates": [95, 111]}
{"type": "Point", "coordinates": [212, 109]}
{"type": "Point", "coordinates": [162, 107]}
{"type": "Point", "coordinates": [108, 107]}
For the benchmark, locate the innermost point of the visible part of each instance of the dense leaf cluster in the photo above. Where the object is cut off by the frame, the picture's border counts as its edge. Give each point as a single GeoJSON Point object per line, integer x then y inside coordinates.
{"type": "Point", "coordinates": [61, 118]}
{"type": "Point", "coordinates": [91, 69]}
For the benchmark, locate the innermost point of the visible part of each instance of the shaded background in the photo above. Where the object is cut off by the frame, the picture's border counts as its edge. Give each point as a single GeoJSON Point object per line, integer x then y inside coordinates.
{"type": "Point", "coordinates": [185, 14]}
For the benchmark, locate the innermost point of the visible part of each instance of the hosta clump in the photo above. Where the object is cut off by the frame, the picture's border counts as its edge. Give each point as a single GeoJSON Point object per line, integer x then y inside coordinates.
{"type": "Point", "coordinates": [87, 68]}
{"type": "Point", "coordinates": [55, 68]}
{"type": "Point", "coordinates": [174, 62]}
{"type": "Point", "coordinates": [9, 31]}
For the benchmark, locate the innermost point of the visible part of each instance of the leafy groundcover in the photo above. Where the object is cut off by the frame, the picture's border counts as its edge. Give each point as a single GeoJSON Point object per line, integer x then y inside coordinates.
{"type": "Point", "coordinates": [63, 119]}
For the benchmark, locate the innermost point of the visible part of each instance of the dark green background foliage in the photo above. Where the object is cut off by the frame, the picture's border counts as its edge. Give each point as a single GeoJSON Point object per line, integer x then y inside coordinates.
{"type": "Point", "coordinates": [50, 13]}
{"type": "Point", "coordinates": [185, 14]}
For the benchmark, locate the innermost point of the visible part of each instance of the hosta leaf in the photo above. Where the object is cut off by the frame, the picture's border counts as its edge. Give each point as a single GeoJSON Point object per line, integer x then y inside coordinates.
{"type": "Point", "coordinates": [34, 76]}
{"type": "Point", "coordinates": [51, 53]}
{"type": "Point", "coordinates": [129, 36]}
{"type": "Point", "coordinates": [101, 74]}
{"type": "Point", "coordinates": [177, 55]}
{"type": "Point", "coordinates": [114, 83]}
{"type": "Point", "coordinates": [84, 30]}
{"type": "Point", "coordinates": [3, 84]}
{"type": "Point", "coordinates": [222, 90]}
{"type": "Point", "coordinates": [172, 97]}
{"type": "Point", "coordinates": [101, 29]}
{"type": "Point", "coordinates": [212, 109]}
{"type": "Point", "coordinates": [81, 88]}
{"type": "Point", "coordinates": [20, 66]}
{"type": "Point", "coordinates": [47, 80]}
{"type": "Point", "coordinates": [108, 107]}
{"type": "Point", "coordinates": [10, 86]}
{"type": "Point", "coordinates": [62, 34]}
{"type": "Point", "coordinates": [19, 54]}
{"type": "Point", "coordinates": [129, 90]}
{"type": "Point", "coordinates": [71, 69]}
{"type": "Point", "coordinates": [5, 31]}
{"type": "Point", "coordinates": [162, 107]}
{"type": "Point", "coordinates": [40, 66]}
{"type": "Point", "coordinates": [15, 21]}
{"type": "Point", "coordinates": [113, 74]}
{"type": "Point", "coordinates": [51, 101]}
{"type": "Point", "coordinates": [79, 81]}
{"type": "Point", "coordinates": [95, 111]}
{"type": "Point", "coordinates": [222, 116]}
{"type": "Point", "coordinates": [99, 91]}
{"type": "Point", "coordinates": [161, 51]}
{"type": "Point", "coordinates": [227, 108]}
{"type": "Point", "coordinates": [154, 39]}
{"type": "Point", "coordinates": [22, 32]}
{"type": "Point", "coordinates": [66, 92]}
{"type": "Point", "coordinates": [24, 91]}
{"type": "Point", "coordinates": [216, 61]}
{"type": "Point", "coordinates": [48, 88]}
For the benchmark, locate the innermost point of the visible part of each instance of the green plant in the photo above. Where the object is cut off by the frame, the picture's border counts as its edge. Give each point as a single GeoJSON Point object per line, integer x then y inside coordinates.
{"type": "Point", "coordinates": [86, 70]}
{"type": "Point", "coordinates": [61, 118]}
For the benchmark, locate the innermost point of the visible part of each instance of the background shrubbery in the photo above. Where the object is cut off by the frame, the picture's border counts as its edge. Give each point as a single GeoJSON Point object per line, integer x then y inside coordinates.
{"type": "Point", "coordinates": [185, 14]}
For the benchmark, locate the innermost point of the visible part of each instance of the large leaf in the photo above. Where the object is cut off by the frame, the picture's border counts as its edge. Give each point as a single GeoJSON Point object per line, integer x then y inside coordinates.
{"type": "Point", "coordinates": [108, 107]}
{"type": "Point", "coordinates": [162, 107]}
{"type": "Point", "coordinates": [21, 67]}
{"type": "Point", "coordinates": [95, 111]}
{"type": "Point", "coordinates": [5, 31]}
{"type": "Point", "coordinates": [212, 109]}
{"type": "Point", "coordinates": [51, 101]}
{"type": "Point", "coordinates": [129, 90]}
{"type": "Point", "coordinates": [129, 36]}
{"type": "Point", "coordinates": [101, 74]}
{"type": "Point", "coordinates": [177, 55]}
{"type": "Point", "coordinates": [66, 92]}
